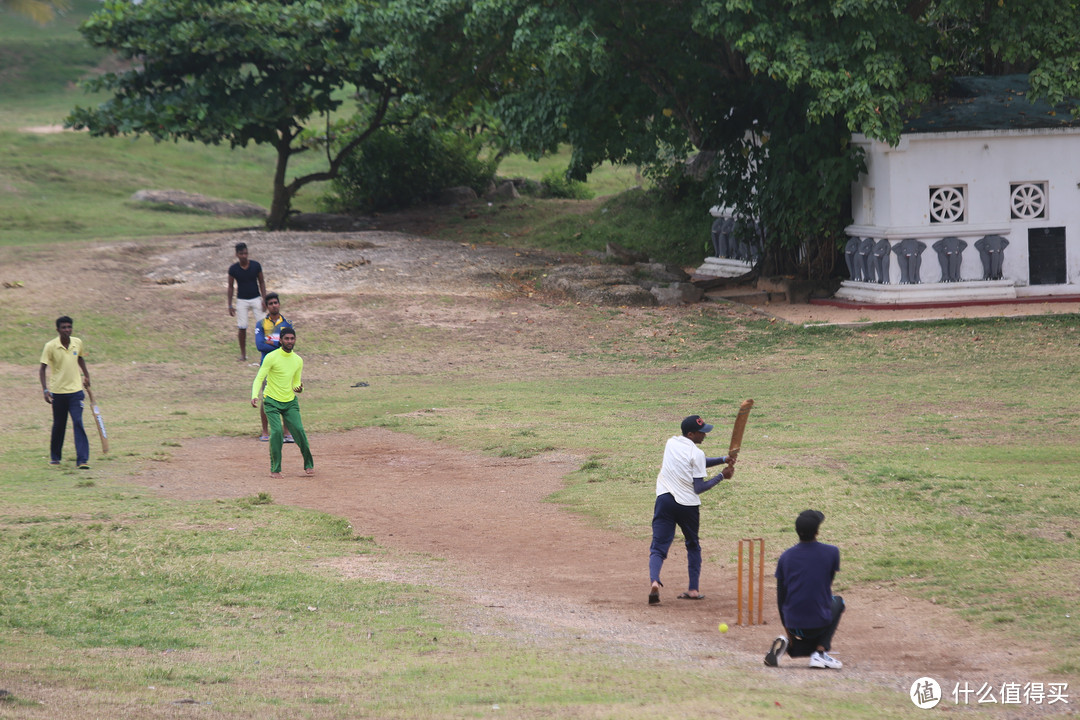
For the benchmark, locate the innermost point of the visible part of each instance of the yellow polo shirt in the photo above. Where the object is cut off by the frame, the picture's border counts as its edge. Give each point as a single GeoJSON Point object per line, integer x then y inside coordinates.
{"type": "Point", "coordinates": [65, 376]}
{"type": "Point", "coordinates": [282, 373]}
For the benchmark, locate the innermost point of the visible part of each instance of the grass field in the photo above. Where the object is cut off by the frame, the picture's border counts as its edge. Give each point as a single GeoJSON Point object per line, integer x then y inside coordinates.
{"type": "Point", "coordinates": [927, 476]}
{"type": "Point", "coordinates": [944, 453]}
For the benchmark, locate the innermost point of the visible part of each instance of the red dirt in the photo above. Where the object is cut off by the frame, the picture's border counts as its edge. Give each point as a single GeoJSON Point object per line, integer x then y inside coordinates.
{"type": "Point", "coordinates": [548, 570]}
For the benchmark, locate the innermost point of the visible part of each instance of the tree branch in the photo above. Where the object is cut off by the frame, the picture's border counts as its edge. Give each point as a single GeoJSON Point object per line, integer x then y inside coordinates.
{"type": "Point", "coordinates": [331, 172]}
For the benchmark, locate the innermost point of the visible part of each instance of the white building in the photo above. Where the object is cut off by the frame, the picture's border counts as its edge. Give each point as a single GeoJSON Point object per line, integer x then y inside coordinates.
{"type": "Point", "coordinates": [985, 172]}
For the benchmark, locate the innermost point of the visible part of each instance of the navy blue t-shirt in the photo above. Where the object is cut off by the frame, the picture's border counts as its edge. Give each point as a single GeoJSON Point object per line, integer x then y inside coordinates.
{"type": "Point", "coordinates": [247, 281]}
{"type": "Point", "coordinates": [806, 571]}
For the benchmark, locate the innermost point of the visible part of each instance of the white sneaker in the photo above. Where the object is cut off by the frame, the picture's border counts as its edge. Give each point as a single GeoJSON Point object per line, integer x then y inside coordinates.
{"type": "Point", "coordinates": [779, 645]}
{"type": "Point", "coordinates": [825, 660]}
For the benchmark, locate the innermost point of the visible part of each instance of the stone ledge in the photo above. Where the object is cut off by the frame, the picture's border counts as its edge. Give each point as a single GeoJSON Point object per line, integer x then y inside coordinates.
{"type": "Point", "coordinates": [723, 268]}
{"type": "Point", "coordinates": [967, 291]}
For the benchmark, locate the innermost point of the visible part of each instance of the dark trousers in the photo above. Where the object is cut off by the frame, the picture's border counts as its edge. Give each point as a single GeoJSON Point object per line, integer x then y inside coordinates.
{"type": "Point", "coordinates": [63, 405]}
{"type": "Point", "coordinates": [803, 642]}
{"type": "Point", "coordinates": [666, 515]}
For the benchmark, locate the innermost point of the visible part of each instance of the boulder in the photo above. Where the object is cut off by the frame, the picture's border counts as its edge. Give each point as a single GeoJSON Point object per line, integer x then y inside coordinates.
{"type": "Point", "coordinates": [568, 277]}
{"type": "Point", "coordinates": [659, 272]}
{"type": "Point", "coordinates": [618, 253]}
{"type": "Point", "coordinates": [678, 293]}
{"type": "Point", "coordinates": [504, 191]}
{"type": "Point", "coordinates": [621, 285]}
{"type": "Point", "coordinates": [623, 294]}
{"type": "Point", "coordinates": [456, 196]}
{"type": "Point", "coordinates": [528, 186]}
{"type": "Point", "coordinates": [195, 201]}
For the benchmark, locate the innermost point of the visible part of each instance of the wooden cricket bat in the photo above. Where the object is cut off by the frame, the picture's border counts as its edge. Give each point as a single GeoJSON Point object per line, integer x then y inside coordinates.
{"type": "Point", "coordinates": [740, 426]}
{"type": "Point", "coordinates": [99, 422]}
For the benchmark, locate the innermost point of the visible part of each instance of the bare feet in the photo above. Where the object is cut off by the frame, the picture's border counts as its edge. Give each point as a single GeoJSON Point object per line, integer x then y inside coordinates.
{"type": "Point", "coordinates": [309, 471]}
{"type": "Point", "coordinates": [276, 476]}
{"type": "Point", "coordinates": [654, 593]}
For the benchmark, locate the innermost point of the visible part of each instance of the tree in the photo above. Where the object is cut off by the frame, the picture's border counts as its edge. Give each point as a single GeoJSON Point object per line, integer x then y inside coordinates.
{"type": "Point", "coordinates": [771, 89]}
{"type": "Point", "coordinates": [245, 72]}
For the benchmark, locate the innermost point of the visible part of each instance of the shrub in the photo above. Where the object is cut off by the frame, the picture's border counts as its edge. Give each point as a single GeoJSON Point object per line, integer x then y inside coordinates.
{"type": "Point", "coordinates": [650, 222]}
{"type": "Point", "coordinates": [399, 167]}
{"type": "Point", "coordinates": [676, 185]}
{"type": "Point", "coordinates": [558, 185]}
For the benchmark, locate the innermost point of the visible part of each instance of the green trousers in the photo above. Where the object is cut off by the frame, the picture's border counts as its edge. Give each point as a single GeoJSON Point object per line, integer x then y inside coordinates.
{"type": "Point", "coordinates": [290, 413]}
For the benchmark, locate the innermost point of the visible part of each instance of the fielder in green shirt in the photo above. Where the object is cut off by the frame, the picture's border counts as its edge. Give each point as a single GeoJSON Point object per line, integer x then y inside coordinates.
{"type": "Point", "coordinates": [282, 370]}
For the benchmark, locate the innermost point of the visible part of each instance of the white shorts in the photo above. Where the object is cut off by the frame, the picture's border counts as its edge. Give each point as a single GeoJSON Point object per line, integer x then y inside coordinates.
{"type": "Point", "coordinates": [253, 305]}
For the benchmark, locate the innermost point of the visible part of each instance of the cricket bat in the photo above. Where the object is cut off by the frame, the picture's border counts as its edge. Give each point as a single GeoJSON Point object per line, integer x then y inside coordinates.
{"type": "Point", "coordinates": [740, 426]}
{"type": "Point", "coordinates": [98, 421]}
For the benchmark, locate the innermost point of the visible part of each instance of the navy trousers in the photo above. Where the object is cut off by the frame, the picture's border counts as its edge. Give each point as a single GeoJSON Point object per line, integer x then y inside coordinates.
{"type": "Point", "coordinates": [667, 514]}
{"type": "Point", "coordinates": [63, 405]}
{"type": "Point", "coordinates": [804, 642]}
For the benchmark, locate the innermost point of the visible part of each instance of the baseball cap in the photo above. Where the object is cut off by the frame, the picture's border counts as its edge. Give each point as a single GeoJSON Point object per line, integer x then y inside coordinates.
{"type": "Point", "coordinates": [806, 525]}
{"type": "Point", "coordinates": [694, 423]}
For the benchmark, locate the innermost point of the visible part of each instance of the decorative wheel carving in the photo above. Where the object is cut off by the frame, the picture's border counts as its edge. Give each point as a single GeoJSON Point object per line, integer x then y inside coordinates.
{"type": "Point", "coordinates": [947, 204]}
{"type": "Point", "coordinates": [1028, 201]}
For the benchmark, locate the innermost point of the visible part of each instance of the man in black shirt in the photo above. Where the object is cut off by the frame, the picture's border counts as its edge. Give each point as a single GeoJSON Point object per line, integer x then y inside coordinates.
{"type": "Point", "coordinates": [246, 276]}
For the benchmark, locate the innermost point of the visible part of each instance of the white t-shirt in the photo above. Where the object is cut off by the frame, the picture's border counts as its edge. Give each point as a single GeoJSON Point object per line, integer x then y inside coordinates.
{"type": "Point", "coordinates": [683, 461]}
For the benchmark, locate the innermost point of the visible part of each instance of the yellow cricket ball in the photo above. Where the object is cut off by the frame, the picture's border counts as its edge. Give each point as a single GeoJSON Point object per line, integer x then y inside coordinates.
{"type": "Point", "coordinates": [722, 627]}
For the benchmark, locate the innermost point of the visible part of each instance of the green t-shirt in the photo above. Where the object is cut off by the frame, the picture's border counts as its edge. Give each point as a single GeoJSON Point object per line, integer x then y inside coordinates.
{"type": "Point", "coordinates": [281, 371]}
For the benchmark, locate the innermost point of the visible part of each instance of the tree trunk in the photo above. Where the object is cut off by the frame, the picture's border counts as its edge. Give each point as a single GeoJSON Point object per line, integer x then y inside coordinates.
{"type": "Point", "coordinates": [283, 195]}
{"type": "Point", "coordinates": [815, 259]}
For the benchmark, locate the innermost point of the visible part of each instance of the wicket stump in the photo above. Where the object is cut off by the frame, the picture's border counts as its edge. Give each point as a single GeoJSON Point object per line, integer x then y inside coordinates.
{"type": "Point", "coordinates": [749, 544]}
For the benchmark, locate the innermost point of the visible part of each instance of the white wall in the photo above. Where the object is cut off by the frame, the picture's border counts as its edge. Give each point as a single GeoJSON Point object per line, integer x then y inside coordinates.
{"type": "Point", "coordinates": [892, 199]}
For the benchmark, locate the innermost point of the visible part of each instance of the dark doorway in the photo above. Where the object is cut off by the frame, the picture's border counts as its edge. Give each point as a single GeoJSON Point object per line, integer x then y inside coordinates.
{"type": "Point", "coordinates": [1046, 256]}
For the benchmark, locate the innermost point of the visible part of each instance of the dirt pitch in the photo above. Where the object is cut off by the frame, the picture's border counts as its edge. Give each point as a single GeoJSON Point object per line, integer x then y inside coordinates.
{"type": "Point", "coordinates": [479, 527]}
{"type": "Point", "coordinates": [512, 556]}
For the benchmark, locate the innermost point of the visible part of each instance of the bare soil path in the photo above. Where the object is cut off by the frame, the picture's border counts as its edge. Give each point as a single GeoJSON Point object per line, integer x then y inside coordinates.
{"type": "Point", "coordinates": [480, 528]}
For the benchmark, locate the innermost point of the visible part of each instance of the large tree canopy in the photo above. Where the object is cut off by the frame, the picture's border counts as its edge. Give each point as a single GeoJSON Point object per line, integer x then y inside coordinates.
{"type": "Point", "coordinates": [774, 88]}
{"type": "Point", "coordinates": [244, 72]}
